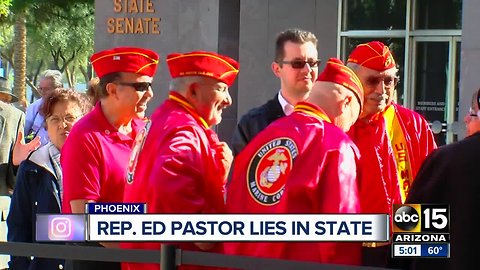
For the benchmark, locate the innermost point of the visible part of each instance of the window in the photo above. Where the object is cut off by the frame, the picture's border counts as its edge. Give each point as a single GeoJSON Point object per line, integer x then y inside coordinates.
{"type": "Point", "coordinates": [430, 14]}
{"type": "Point", "coordinates": [375, 15]}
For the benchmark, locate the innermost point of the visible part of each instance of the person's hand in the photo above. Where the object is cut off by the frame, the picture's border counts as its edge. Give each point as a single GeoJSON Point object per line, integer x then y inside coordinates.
{"type": "Point", "coordinates": [22, 150]}
{"type": "Point", "coordinates": [224, 158]}
{"type": "Point", "coordinates": [205, 246]}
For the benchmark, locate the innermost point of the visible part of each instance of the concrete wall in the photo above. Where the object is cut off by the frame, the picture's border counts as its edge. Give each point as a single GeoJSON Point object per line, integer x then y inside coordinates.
{"type": "Point", "coordinates": [185, 25]}
{"type": "Point", "coordinates": [243, 29]}
{"type": "Point", "coordinates": [260, 22]}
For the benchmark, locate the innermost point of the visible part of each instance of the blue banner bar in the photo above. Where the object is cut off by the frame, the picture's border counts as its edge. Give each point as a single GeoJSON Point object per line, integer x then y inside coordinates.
{"type": "Point", "coordinates": [116, 208]}
{"type": "Point", "coordinates": [436, 250]}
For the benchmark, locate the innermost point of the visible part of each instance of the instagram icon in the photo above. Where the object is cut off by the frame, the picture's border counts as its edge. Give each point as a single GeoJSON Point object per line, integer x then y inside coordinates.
{"type": "Point", "coordinates": [60, 228]}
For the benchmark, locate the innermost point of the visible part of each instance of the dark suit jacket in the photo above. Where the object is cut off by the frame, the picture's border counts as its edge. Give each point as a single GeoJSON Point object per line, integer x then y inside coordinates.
{"type": "Point", "coordinates": [36, 192]}
{"type": "Point", "coordinates": [11, 121]}
{"type": "Point", "coordinates": [255, 121]}
{"type": "Point", "coordinates": [451, 175]}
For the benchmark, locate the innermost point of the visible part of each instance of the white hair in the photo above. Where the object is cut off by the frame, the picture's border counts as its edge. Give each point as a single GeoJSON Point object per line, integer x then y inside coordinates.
{"type": "Point", "coordinates": [180, 84]}
{"type": "Point", "coordinates": [355, 67]}
{"type": "Point", "coordinates": [55, 76]}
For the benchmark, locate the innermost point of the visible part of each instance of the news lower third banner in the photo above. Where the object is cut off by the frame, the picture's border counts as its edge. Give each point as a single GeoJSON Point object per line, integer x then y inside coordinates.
{"type": "Point", "coordinates": [115, 226]}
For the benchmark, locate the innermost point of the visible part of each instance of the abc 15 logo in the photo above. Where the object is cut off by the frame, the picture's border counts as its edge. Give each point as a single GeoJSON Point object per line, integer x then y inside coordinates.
{"type": "Point", "coordinates": [417, 218]}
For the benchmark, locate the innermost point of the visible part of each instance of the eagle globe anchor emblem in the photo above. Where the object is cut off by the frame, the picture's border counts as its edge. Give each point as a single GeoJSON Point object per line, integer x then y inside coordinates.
{"type": "Point", "coordinates": [271, 173]}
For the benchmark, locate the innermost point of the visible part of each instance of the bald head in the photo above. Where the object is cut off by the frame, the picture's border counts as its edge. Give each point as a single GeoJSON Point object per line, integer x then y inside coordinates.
{"type": "Point", "coordinates": [339, 92]}
{"type": "Point", "coordinates": [340, 104]}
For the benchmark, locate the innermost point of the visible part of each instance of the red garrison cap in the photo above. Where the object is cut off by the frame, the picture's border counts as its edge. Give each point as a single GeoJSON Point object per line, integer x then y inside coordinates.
{"type": "Point", "coordinates": [374, 55]}
{"type": "Point", "coordinates": [335, 71]}
{"type": "Point", "coordinates": [125, 59]}
{"type": "Point", "coordinates": [201, 63]}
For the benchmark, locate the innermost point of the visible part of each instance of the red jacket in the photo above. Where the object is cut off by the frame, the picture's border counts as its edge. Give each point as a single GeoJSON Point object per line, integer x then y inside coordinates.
{"type": "Point", "coordinates": [299, 164]}
{"type": "Point", "coordinates": [176, 172]}
{"type": "Point", "coordinates": [379, 184]}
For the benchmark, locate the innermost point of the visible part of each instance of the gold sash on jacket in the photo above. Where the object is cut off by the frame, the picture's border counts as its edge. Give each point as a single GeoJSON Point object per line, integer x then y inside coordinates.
{"type": "Point", "coordinates": [398, 143]}
{"type": "Point", "coordinates": [312, 110]}
{"type": "Point", "coordinates": [184, 103]}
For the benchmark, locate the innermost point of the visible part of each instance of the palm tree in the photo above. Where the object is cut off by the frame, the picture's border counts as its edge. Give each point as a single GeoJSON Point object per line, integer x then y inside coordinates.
{"type": "Point", "coordinates": [20, 9]}
{"type": "Point", "coordinates": [20, 56]}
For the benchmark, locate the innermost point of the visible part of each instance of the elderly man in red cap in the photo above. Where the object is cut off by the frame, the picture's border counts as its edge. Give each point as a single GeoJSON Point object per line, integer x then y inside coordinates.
{"type": "Point", "coordinates": [393, 140]}
{"type": "Point", "coordinates": [183, 165]}
{"type": "Point", "coordinates": [303, 163]}
{"type": "Point", "coordinates": [95, 156]}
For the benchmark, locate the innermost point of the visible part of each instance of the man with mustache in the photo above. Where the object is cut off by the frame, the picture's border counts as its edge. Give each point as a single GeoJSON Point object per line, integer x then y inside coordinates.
{"type": "Point", "coordinates": [182, 166]}
{"type": "Point", "coordinates": [296, 65]}
{"type": "Point", "coordinates": [95, 155]}
{"type": "Point", "coordinates": [393, 140]}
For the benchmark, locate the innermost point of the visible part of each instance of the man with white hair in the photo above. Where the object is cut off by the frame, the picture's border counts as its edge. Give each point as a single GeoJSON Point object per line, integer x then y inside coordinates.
{"type": "Point", "coordinates": [393, 140]}
{"type": "Point", "coordinates": [34, 122]}
{"type": "Point", "coordinates": [182, 163]}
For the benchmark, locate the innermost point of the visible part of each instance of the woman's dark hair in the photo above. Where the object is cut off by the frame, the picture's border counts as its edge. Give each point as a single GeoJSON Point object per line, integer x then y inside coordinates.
{"type": "Point", "coordinates": [106, 79]}
{"type": "Point", "coordinates": [62, 94]}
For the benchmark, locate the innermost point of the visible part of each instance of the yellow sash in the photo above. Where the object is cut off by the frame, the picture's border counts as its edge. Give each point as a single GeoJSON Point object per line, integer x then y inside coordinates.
{"type": "Point", "coordinates": [399, 146]}
{"type": "Point", "coordinates": [311, 110]}
{"type": "Point", "coordinates": [177, 98]}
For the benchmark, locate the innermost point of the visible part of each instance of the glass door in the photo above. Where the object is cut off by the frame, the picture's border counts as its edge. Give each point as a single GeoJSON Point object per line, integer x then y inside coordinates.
{"type": "Point", "coordinates": [434, 81]}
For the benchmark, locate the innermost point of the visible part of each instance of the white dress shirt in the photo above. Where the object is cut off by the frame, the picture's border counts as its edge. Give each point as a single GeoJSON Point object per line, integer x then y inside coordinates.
{"type": "Point", "coordinates": [286, 107]}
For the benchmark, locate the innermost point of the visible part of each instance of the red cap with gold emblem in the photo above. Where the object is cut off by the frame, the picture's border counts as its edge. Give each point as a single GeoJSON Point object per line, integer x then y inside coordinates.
{"type": "Point", "coordinates": [374, 55]}
{"type": "Point", "coordinates": [125, 59]}
{"type": "Point", "coordinates": [335, 71]}
{"type": "Point", "coordinates": [201, 63]}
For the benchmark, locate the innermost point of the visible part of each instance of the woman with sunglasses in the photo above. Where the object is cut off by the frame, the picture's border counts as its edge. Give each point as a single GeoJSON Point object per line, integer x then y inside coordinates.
{"type": "Point", "coordinates": [472, 118]}
{"type": "Point", "coordinates": [39, 184]}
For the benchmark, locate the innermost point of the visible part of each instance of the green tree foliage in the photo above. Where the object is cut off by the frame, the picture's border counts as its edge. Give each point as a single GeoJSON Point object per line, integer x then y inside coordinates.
{"type": "Point", "coordinates": [50, 34]}
{"type": "Point", "coordinates": [65, 43]}
{"type": "Point", "coordinates": [5, 7]}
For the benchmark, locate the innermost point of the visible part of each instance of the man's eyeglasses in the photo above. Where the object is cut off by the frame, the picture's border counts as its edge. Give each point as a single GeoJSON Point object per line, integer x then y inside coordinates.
{"type": "Point", "coordinates": [388, 81]}
{"type": "Point", "coordinates": [472, 113]}
{"type": "Point", "coordinates": [43, 88]}
{"type": "Point", "coordinates": [57, 120]}
{"type": "Point", "coordinates": [299, 64]}
{"type": "Point", "coordinates": [139, 86]}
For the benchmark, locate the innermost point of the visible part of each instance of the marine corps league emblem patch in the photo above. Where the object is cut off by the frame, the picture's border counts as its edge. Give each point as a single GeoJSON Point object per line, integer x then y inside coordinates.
{"type": "Point", "coordinates": [269, 169]}
{"type": "Point", "coordinates": [388, 61]}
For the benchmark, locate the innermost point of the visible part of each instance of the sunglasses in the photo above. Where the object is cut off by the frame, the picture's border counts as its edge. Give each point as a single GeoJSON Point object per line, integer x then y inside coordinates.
{"type": "Point", "coordinates": [388, 81]}
{"type": "Point", "coordinates": [299, 64]}
{"type": "Point", "coordinates": [139, 86]}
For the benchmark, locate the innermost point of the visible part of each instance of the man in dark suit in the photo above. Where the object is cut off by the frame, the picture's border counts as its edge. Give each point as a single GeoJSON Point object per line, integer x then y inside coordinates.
{"type": "Point", "coordinates": [296, 65]}
{"type": "Point", "coordinates": [450, 175]}
{"type": "Point", "coordinates": [12, 120]}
